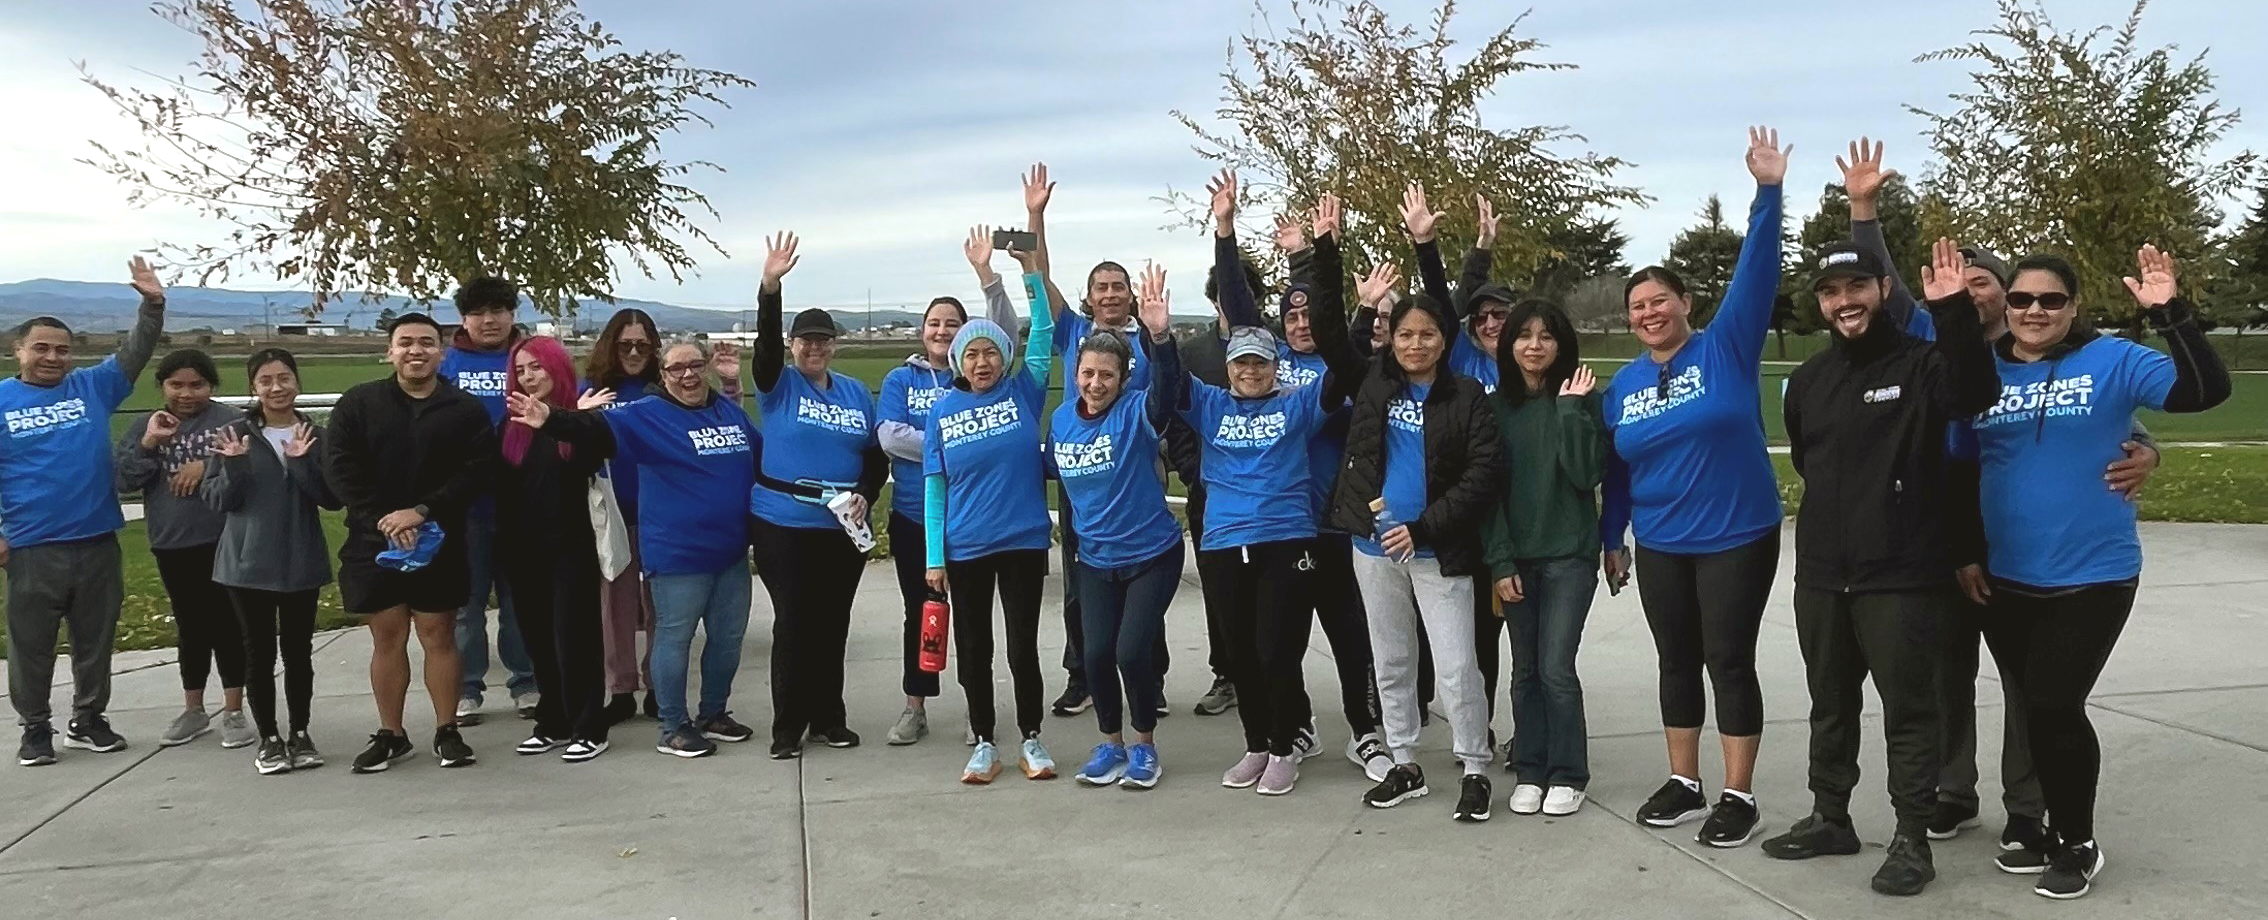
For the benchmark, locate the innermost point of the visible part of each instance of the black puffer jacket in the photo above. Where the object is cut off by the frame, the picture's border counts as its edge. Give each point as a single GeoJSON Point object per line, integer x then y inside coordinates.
{"type": "Point", "coordinates": [1464, 464]}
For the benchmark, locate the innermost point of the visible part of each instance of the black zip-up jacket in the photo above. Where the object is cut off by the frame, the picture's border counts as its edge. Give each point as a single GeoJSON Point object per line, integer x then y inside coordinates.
{"type": "Point", "coordinates": [543, 505]}
{"type": "Point", "coordinates": [1866, 423]}
{"type": "Point", "coordinates": [387, 451]}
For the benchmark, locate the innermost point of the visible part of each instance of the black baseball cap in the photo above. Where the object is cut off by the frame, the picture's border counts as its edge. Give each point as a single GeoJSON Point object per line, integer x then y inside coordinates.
{"type": "Point", "coordinates": [814, 321]}
{"type": "Point", "coordinates": [1845, 260]}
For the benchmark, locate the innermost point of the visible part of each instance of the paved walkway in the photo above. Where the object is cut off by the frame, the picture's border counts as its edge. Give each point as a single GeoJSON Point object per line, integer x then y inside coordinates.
{"type": "Point", "coordinates": [882, 832]}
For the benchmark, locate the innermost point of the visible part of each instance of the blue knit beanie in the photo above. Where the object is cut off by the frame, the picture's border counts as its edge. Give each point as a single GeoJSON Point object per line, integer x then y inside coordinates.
{"type": "Point", "coordinates": [981, 328]}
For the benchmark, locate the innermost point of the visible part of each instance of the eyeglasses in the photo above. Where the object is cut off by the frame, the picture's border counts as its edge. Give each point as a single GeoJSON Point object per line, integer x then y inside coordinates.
{"type": "Point", "coordinates": [2050, 301]}
{"type": "Point", "coordinates": [686, 370]}
{"type": "Point", "coordinates": [635, 346]}
{"type": "Point", "coordinates": [1495, 316]}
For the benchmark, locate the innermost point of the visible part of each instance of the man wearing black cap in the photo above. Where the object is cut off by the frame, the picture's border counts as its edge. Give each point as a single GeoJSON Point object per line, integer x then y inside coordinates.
{"type": "Point", "coordinates": [1866, 422]}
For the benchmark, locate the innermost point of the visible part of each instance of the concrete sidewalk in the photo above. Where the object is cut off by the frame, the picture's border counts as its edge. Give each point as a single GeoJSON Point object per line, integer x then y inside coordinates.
{"type": "Point", "coordinates": [882, 832]}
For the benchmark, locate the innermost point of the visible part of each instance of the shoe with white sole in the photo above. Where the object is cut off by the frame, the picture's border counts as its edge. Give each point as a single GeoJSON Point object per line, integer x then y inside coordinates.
{"type": "Point", "coordinates": [1562, 801]}
{"type": "Point", "coordinates": [186, 727]}
{"type": "Point", "coordinates": [1246, 770]}
{"type": "Point", "coordinates": [1369, 753]}
{"type": "Point", "coordinates": [1527, 799]}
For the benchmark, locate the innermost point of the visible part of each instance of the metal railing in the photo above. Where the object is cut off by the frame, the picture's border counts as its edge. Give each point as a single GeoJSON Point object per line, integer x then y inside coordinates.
{"type": "Point", "coordinates": [317, 404]}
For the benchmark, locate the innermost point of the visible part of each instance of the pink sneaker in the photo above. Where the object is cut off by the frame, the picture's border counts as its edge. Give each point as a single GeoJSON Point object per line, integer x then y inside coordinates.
{"type": "Point", "coordinates": [1246, 772]}
{"type": "Point", "coordinates": [1281, 773]}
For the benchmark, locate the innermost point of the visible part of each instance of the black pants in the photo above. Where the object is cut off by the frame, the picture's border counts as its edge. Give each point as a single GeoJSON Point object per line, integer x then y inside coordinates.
{"type": "Point", "coordinates": [272, 622]}
{"type": "Point", "coordinates": [1339, 611]}
{"type": "Point", "coordinates": [203, 618]}
{"type": "Point", "coordinates": [1957, 706]}
{"type": "Point", "coordinates": [909, 550]}
{"type": "Point", "coordinates": [1075, 619]}
{"type": "Point", "coordinates": [1212, 580]}
{"type": "Point", "coordinates": [556, 599]}
{"type": "Point", "coordinates": [1704, 610]}
{"type": "Point", "coordinates": [1894, 637]}
{"type": "Point", "coordinates": [1018, 575]}
{"type": "Point", "coordinates": [1266, 597]}
{"type": "Point", "coordinates": [2055, 648]}
{"type": "Point", "coordinates": [1488, 639]}
{"type": "Point", "coordinates": [1125, 625]}
{"type": "Point", "coordinates": [811, 575]}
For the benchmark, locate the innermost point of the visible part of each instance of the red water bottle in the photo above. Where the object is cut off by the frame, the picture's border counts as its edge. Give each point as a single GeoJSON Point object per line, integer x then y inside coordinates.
{"type": "Point", "coordinates": [935, 617]}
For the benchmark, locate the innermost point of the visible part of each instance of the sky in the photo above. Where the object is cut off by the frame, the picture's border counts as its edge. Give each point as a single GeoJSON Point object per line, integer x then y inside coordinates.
{"type": "Point", "coordinates": [880, 131]}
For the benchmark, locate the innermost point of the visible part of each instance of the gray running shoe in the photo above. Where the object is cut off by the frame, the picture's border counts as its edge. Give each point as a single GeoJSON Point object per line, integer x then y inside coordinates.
{"type": "Point", "coordinates": [185, 728]}
{"type": "Point", "coordinates": [236, 730]}
{"type": "Point", "coordinates": [1221, 698]}
{"type": "Point", "coordinates": [913, 725]}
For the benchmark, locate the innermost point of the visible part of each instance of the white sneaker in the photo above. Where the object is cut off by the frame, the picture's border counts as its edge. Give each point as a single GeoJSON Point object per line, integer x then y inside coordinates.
{"type": "Point", "coordinates": [1562, 801]}
{"type": "Point", "coordinates": [1037, 763]}
{"type": "Point", "coordinates": [525, 703]}
{"type": "Point", "coordinates": [1527, 799]}
{"type": "Point", "coordinates": [1369, 753]}
{"type": "Point", "coordinates": [468, 710]}
{"type": "Point", "coordinates": [1306, 744]}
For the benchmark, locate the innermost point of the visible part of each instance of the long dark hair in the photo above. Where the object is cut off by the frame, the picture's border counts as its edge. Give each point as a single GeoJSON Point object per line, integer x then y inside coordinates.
{"type": "Point", "coordinates": [1512, 383]}
{"type": "Point", "coordinates": [1391, 364]}
{"type": "Point", "coordinates": [604, 367]}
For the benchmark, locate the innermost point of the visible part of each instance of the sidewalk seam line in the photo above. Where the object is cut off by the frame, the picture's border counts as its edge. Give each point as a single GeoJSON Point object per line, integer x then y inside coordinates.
{"type": "Point", "coordinates": [81, 797]}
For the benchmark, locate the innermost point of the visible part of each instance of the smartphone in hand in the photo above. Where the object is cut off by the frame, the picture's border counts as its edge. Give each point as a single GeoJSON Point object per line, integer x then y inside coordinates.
{"type": "Point", "coordinates": [1019, 240]}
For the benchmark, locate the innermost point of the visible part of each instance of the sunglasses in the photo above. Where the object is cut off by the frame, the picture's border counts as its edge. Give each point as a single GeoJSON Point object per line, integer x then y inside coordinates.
{"type": "Point", "coordinates": [2051, 301]}
{"type": "Point", "coordinates": [636, 347]}
{"type": "Point", "coordinates": [682, 370]}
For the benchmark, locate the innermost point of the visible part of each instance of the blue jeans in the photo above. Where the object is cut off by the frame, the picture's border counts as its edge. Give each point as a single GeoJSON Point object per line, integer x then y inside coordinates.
{"type": "Point", "coordinates": [1549, 739]}
{"type": "Point", "coordinates": [718, 603]}
{"type": "Point", "coordinates": [1124, 617]}
{"type": "Point", "coordinates": [472, 619]}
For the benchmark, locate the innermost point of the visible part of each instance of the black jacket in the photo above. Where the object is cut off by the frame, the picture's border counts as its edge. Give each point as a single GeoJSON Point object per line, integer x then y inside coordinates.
{"type": "Point", "coordinates": [1464, 464]}
{"type": "Point", "coordinates": [1866, 423]}
{"type": "Point", "coordinates": [543, 505]}
{"type": "Point", "coordinates": [386, 451]}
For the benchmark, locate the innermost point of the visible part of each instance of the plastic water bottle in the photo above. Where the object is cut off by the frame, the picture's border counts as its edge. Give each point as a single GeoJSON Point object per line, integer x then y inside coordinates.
{"type": "Point", "coordinates": [1381, 523]}
{"type": "Point", "coordinates": [935, 616]}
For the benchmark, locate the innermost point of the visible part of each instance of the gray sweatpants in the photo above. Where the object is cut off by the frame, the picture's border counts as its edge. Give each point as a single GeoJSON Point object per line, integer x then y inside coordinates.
{"type": "Point", "coordinates": [48, 585]}
{"type": "Point", "coordinates": [1396, 595]}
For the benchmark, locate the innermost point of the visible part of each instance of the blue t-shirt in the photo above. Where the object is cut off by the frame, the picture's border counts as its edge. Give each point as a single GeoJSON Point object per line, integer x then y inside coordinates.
{"type": "Point", "coordinates": [908, 393]}
{"type": "Point", "coordinates": [1110, 478]}
{"type": "Point", "coordinates": [987, 446]}
{"type": "Point", "coordinates": [1689, 456]}
{"type": "Point", "coordinates": [1404, 489]}
{"type": "Point", "coordinates": [480, 373]}
{"type": "Point", "coordinates": [623, 470]}
{"type": "Point", "coordinates": [2048, 520]}
{"type": "Point", "coordinates": [1258, 486]}
{"type": "Point", "coordinates": [1329, 446]}
{"type": "Point", "coordinates": [1073, 327]}
{"type": "Point", "coordinates": [55, 465]}
{"type": "Point", "coordinates": [1467, 359]}
{"type": "Point", "coordinates": [693, 464]}
{"type": "Point", "coordinates": [814, 437]}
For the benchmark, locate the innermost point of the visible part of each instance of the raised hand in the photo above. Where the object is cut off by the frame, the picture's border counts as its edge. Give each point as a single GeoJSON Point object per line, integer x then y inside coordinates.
{"type": "Point", "coordinates": [1767, 160]}
{"type": "Point", "coordinates": [163, 426]}
{"type": "Point", "coordinates": [1580, 383]}
{"type": "Point", "coordinates": [1379, 284]}
{"type": "Point", "coordinates": [226, 443]}
{"type": "Point", "coordinates": [527, 410]}
{"type": "Point", "coordinates": [1327, 214]}
{"type": "Point", "coordinates": [595, 399]}
{"type": "Point", "coordinates": [725, 360]}
{"type": "Point", "coordinates": [1222, 189]}
{"type": "Point", "coordinates": [1037, 190]}
{"type": "Point", "coordinates": [302, 441]}
{"type": "Point", "coordinates": [1417, 216]}
{"type": "Point", "coordinates": [1487, 223]}
{"type": "Point", "coordinates": [1157, 302]}
{"type": "Point", "coordinates": [1863, 175]}
{"type": "Point", "coordinates": [1942, 277]}
{"type": "Point", "coordinates": [145, 279]}
{"type": "Point", "coordinates": [2156, 286]}
{"type": "Point", "coordinates": [1290, 236]}
{"type": "Point", "coordinates": [779, 258]}
{"type": "Point", "coordinates": [1026, 258]}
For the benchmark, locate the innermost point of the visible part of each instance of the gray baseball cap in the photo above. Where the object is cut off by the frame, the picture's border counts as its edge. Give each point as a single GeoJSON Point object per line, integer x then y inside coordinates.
{"type": "Point", "coordinates": [1250, 342]}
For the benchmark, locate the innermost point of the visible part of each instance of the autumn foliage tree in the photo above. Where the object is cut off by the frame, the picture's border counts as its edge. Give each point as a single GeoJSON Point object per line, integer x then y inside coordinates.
{"type": "Point", "coordinates": [403, 145]}
{"type": "Point", "coordinates": [1347, 100]}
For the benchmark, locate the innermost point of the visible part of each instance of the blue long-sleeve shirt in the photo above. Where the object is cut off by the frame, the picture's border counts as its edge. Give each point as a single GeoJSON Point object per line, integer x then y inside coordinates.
{"type": "Point", "coordinates": [984, 486]}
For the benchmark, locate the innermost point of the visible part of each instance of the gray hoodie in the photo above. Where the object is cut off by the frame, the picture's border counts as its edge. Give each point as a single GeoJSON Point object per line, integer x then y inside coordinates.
{"type": "Point", "coordinates": [272, 539]}
{"type": "Point", "coordinates": [175, 521]}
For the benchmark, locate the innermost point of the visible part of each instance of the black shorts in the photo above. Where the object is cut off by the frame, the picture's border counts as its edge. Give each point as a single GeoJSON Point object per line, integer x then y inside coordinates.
{"type": "Point", "coordinates": [367, 588]}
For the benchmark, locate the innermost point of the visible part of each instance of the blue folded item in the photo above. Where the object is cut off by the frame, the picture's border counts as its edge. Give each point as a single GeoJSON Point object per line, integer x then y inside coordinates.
{"type": "Point", "coordinates": [410, 560]}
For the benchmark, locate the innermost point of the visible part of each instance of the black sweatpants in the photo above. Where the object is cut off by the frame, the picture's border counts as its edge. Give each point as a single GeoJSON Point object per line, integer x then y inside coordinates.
{"type": "Point", "coordinates": [556, 601]}
{"type": "Point", "coordinates": [1266, 599]}
{"type": "Point", "coordinates": [203, 619]}
{"type": "Point", "coordinates": [811, 575]}
{"type": "Point", "coordinates": [2055, 648]}
{"type": "Point", "coordinates": [1704, 610]}
{"type": "Point", "coordinates": [909, 551]}
{"type": "Point", "coordinates": [1894, 637]}
{"type": "Point", "coordinates": [1213, 570]}
{"type": "Point", "coordinates": [1960, 641]}
{"type": "Point", "coordinates": [1346, 629]}
{"type": "Point", "coordinates": [274, 622]}
{"type": "Point", "coordinates": [1018, 575]}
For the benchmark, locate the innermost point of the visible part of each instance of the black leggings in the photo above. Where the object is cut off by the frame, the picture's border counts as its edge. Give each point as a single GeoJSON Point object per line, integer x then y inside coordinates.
{"type": "Point", "coordinates": [1018, 574]}
{"type": "Point", "coordinates": [2054, 648]}
{"type": "Point", "coordinates": [271, 620]}
{"type": "Point", "coordinates": [1705, 610]}
{"type": "Point", "coordinates": [909, 547]}
{"type": "Point", "coordinates": [203, 619]}
{"type": "Point", "coordinates": [1266, 601]}
{"type": "Point", "coordinates": [811, 576]}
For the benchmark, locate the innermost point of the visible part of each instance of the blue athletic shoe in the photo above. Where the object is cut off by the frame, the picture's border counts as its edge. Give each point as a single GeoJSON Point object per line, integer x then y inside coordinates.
{"type": "Point", "coordinates": [1142, 767]}
{"type": "Point", "coordinates": [1106, 766]}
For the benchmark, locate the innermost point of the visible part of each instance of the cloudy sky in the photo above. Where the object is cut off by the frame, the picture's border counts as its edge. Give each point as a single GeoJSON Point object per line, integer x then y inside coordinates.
{"type": "Point", "coordinates": [881, 130]}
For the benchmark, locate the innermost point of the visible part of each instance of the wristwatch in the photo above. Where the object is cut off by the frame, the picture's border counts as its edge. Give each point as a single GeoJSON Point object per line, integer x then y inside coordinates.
{"type": "Point", "coordinates": [423, 512]}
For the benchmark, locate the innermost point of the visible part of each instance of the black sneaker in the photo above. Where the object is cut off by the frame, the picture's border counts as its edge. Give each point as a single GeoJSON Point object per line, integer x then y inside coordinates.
{"type": "Point", "coordinates": [620, 708]}
{"type": "Point", "coordinates": [1673, 804]}
{"type": "Point", "coordinates": [539, 743]}
{"type": "Point", "coordinates": [1472, 798]}
{"type": "Point", "coordinates": [2026, 846]}
{"type": "Point", "coordinates": [1073, 701]}
{"type": "Point", "coordinates": [450, 748]}
{"type": "Point", "coordinates": [685, 742]}
{"type": "Point", "coordinates": [1403, 783]}
{"type": "Point", "coordinates": [38, 749]}
{"type": "Point", "coordinates": [1815, 835]}
{"type": "Point", "coordinates": [786, 750]}
{"type": "Point", "coordinates": [1950, 819]}
{"type": "Point", "coordinates": [1730, 824]}
{"type": "Point", "coordinates": [2072, 873]}
{"type": "Point", "coordinates": [651, 707]}
{"type": "Point", "coordinates": [1164, 708]}
{"type": "Point", "coordinates": [837, 737]}
{"type": "Point", "coordinates": [385, 748]}
{"type": "Point", "coordinates": [93, 735]}
{"type": "Point", "coordinates": [721, 727]}
{"type": "Point", "coordinates": [301, 749]}
{"type": "Point", "coordinates": [272, 758]}
{"type": "Point", "coordinates": [1907, 870]}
